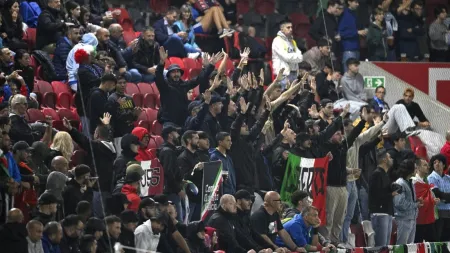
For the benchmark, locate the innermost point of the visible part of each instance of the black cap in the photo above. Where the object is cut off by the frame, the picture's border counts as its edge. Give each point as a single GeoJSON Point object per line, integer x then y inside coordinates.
{"type": "Point", "coordinates": [47, 199]}
{"type": "Point", "coordinates": [168, 129]}
{"type": "Point", "coordinates": [132, 177]}
{"type": "Point", "coordinates": [147, 202]}
{"type": "Point", "coordinates": [301, 137]}
{"type": "Point", "coordinates": [161, 199]}
{"type": "Point", "coordinates": [162, 217]}
{"type": "Point", "coordinates": [20, 146]}
{"type": "Point", "coordinates": [95, 224]}
{"type": "Point", "coordinates": [129, 216]}
{"type": "Point", "coordinates": [216, 99]}
{"type": "Point", "coordinates": [81, 170]}
{"type": "Point", "coordinates": [243, 194]}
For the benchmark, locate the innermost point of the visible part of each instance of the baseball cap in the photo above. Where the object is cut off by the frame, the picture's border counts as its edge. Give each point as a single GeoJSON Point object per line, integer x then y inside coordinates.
{"type": "Point", "coordinates": [21, 145]}
{"type": "Point", "coordinates": [162, 199]}
{"type": "Point", "coordinates": [133, 177]}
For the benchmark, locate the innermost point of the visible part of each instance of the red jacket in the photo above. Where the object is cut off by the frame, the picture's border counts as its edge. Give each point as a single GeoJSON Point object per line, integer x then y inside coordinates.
{"type": "Point", "coordinates": [143, 153]}
{"type": "Point", "coordinates": [132, 196]}
{"type": "Point", "coordinates": [445, 150]}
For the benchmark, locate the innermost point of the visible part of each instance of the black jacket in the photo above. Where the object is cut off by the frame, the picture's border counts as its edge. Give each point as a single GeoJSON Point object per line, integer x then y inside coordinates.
{"type": "Point", "coordinates": [380, 193]}
{"type": "Point", "coordinates": [121, 163]}
{"type": "Point", "coordinates": [89, 77]}
{"type": "Point", "coordinates": [126, 238]}
{"type": "Point", "coordinates": [212, 127]}
{"type": "Point", "coordinates": [186, 162]}
{"type": "Point", "coordinates": [96, 106]}
{"type": "Point", "coordinates": [146, 56]}
{"type": "Point", "coordinates": [122, 115]}
{"type": "Point", "coordinates": [174, 101]}
{"type": "Point", "coordinates": [245, 235]}
{"type": "Point", "coordinates": [323, 27]}
{"type": "Point", "coordinates": [44, 218]}
{"type": "Point", "coordinates": [173, 175]}
{"type": "Point", "coordinates": [104, 246]}
{"type": "Point", "coordinates": [104, 158]}
{"type": "Point", "coordinates": [223, 223]}
{"type": "Point", "coordinates": [27, 74]}
{"type": "Point", "coordinates": [337, 174]}
{"type": "Point", "coordinates": [72, 195]}
{"type": "Point", "coordinates": [113, 51]}
{"type": "Point", "coordinates": [49, 27]}
{"type": "Point", "coordinates": [326, 88]}
{"type": "Point", "coordinates": [278, 163]}
{"type": "Point", "coordinates": [196, 245]}
{"type": "Point", "coordinates": [69, 245]}
{"type": "Point", "coordinates": [21, 131]}
{"type": "Point", "coordinates": [367, 162]}
{"type": "Point", "coordinates": [407, 41]}
{"type": "Point", "coordinates": [13, 238]}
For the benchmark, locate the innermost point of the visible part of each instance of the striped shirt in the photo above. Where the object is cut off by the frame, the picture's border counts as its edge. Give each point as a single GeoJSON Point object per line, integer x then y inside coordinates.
{"type": "Point", "coordinates": [443, 184]}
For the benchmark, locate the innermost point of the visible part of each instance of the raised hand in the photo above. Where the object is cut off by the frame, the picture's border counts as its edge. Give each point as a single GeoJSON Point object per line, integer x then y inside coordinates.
{"type": "Point", "coordinates": [207, 96]}
{"type": "Point", "coordinates": [244, 82]}
{"type": "Point", "coordinates": [313, 85]}
{"type": "Point", "coordinates": [163, 55]}
{"type": "Point", "coordinates": [313, 112]}
{"type": "Point", "coordinates": [280, 75]}
{"type": "Point", "coordinates": [245, 53]}
{"type": "Point", "coordinates": [268, 103]}
{"type": "Point", "coordinates": [229, 84]}
{"type": "Point", "coordinates": [243, 105]}
{"type": "Point", "coordinates": [346, 110]}
{"type": "Point", "coordinates": [261, 77]}
{"type": "Point", "coordinates": [215, 58]}
{"type": "Point", "coordinates": [106, 118]}
{"type": "Point", "coordinates": [67, 124]}
{"type": "Point", "coordinates": [49, 120]}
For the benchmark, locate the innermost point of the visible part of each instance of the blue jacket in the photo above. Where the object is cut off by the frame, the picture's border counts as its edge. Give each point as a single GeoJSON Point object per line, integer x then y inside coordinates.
{"type": "Point", "coordinates": [63, 47]}
{"type": "Point", "coordinates": [229, 186]}
{"type": "Point", "coordinates": [179, 26]}
{"type": "Point", "coordinates": [161, 34]}
{"type": "Point", "coordinates": [405, 205]}
{"type": "Point", "coordinates": [14, 171]}
{"type": "Point", "coordinates": [48, 246]}
{"type": "Point", "coordinates": [299, 232]}
{"type": "Point", "coordinates": [348, 30]}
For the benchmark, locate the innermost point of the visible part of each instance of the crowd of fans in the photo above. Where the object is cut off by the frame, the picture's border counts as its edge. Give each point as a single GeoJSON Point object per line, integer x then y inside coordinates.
{"type": "Point", "coordinates": [311, 109]}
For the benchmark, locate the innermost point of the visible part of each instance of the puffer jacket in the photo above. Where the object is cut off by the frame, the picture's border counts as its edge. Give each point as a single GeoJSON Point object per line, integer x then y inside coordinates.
{"type": "Point", "coordinates": [285, 54]}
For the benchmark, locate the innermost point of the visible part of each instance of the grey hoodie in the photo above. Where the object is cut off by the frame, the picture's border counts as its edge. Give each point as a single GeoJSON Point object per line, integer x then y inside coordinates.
{"type": "Point", "coordinates": [353, 87]}
{"type": "Point", "coordinates": [56, 182]}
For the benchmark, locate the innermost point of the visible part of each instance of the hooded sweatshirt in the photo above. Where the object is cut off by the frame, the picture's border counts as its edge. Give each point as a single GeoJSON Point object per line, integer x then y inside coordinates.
{"type": "Point", "coordinates": [143, 154]}
{"type": "Point", "coordinates": [132, 196]}
{"type": "Point", "coordinates": [127, 155]}
{"type": "Point", "coordinates": [353, 87]}
{"type": "Point", "coordinates": [145, 238]}
{"type": "Point", "coordinates": [71, 65]}
{"type": "Point", "coordinates": [56, 182]}
{"type": "Point", "coordinates": [196, 244]}
{"type": "Point", "coordinates": [285, 54]}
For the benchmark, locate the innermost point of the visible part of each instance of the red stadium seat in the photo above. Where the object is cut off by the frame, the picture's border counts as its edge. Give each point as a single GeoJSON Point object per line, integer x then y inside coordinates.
{"type": "Point", "coordinates": [128, 36]}
{"type": "Point", "coordinates": [131, 89]}
{"type": "Point", "coordinates": [193, 73]}
{"type": "Point", "coordinates": [43, 86]}
{"type": "Point", "coordinates": [156, 128]}
{"type": "Point", "coordinates": [158, 139]}
{"type": "Point", "coordinates": [145, 88]}
{"type": "Point", "coordinates": [176, 60]}
{"type": "Point", "coordinates": [49, 100]}
{"type": "Point", "coordinates": [145, 124]}
{"type": "Point", "coordinates": [155, 89]}
{"type": "Point", "coordinates": [60, 87]}
{"type": "Point", "coordinates": [149, 101]}
{"type": "Point", "coordinates": [242, 6]}
{"type": "Point", "coordinates": [229, 65]}
{"type": "Point", "coordinates": [64, 100]}
{"type": "Point", "coordinates": [71, 116]}
{"type": "Point", "coordinates": [137, 99]}
{"type": "Point", "coordinates": [190, 63]}
{"type": "Point", "coordinates": [159, 6]}
{"type": "Point", "coordinates": [264, 7]}
{"type": "Point", "coordinates": [30, 38]}
{"type": "Point", "coordinates": [299, 19]}
{"type": "Point", "coordinates": [35, 115]}
{"type": "Point", "coordinates": [152, 144]}
{"type": "Point", "coordinates": [151, 114]}
{"type": "Point", "coordinates": [50, 112]}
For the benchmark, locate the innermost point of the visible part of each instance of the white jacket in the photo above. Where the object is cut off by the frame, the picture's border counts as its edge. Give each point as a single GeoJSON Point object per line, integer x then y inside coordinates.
{"type": "Point", "coordinates": [285, 54]}
{"type": "Point", "coordinates": [144, 238]}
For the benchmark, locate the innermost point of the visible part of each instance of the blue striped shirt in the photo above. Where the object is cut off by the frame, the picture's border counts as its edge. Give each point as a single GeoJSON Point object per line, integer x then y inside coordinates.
{"type": "Point", "coordinates": [443, 184]}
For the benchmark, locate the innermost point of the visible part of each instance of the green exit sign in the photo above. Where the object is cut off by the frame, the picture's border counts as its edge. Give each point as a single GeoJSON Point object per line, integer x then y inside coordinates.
{"type": "Point", "coordinates": [372, 82]}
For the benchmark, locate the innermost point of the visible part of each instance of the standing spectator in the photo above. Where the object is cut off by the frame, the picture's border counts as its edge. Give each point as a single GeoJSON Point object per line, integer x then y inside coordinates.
{"type": "Point", "coordinates": [377, 37]}
{"type": "Point", "coordinates": [52, 237]}
{"type": "Point", "coordinates": [97, 101]}
{"type": "Point", "coordinates": [318, 56]}
{"type": "Point", "coordinates": [144, 138]}
{"type": "Point", "coordinates": [221, 153]}
{"type": "Point", "coordinates": [168, 154]}
{"type": "Point", "coordinates": [11, 30]}
{"type": "Point", "coordinates": [211, 124]}
{"type": "Point", "coordinates": [62, 50]}
{"type": "Point", "coordinates": [148, 208]}
{"type": "Point", "coordinates": [47, 207]}
{"type": "Point", "coordinates": [75, 191]}
{"type": "Point", "coordinates": [73, 11]}
{"type": "Point", "coordinates": [185, 24]}
{"type": "Point", "coordinates": [130, 146]}
{"type": "Point", "coordinates": [123, 112]}
{"type": "Point", "coordinates": [406, 204]}
{"type": "Point", "coordinates": [349, 33]}
{"type": "Point", "coordinates": [411, 27]}
{"type": "Point", "coordinates": [111, 235]}
{"type": "Point", "coordinates": [439, 36]}
{"type": "Point", "coordinates": [425, 227]}
{"type": "Point", "coordinates": [397, 153]}
{"type": "Point", "coordinates": [441, 182]}
{"type": "Point", "coordinates": [413, 108]}
{"type": "Point", "coordinates": [130, 189]}
{"type": "Point", "coordinates": [285, 53]}
{"type": "Point", "coordinates": [148, 234]}
{"type": "Point", "coordinates": [328, 25]}
{"type": "Point", "coordinates": [327, 79]}
{"type": "Point", "coordinates": [50, 27]}
{"type": "Point", "coordinates": [34, 238]}
{"type": "Point", "coordinates": [145, 59]}
{"type": "Point", "coordinates": [22, 62]}
{"type": "Point", "coordinates": [84, 210]}
{"type": "Point", "coordinates": [280, 154]}
{"type": "Point", "coordinates": [168, 38]}
{"type": "Point", "coordinates": [129, 220]}
{"type": "Point", "coordinates": [72, 228]}
{"type": "Point", "coordinates": [13, 233]}
{"type": "Point", "coordinates": [381, 199]}
{"type": "Point", "coordinates": [268, 214]}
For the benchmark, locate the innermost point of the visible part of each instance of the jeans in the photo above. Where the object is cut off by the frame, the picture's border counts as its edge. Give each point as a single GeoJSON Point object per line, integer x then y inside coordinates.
{"type": "Point", "coordinates": [364, 203]}
{"type": "Point", "coordinates": [406, 230]}
{"type": "Point", "coordinates": [352, 200]}
{"type": "Point", "coordinates": [347, 55]}
{"type": "Point", "coordinates": [85, 126]}
{"type": "Point", "coordinates": [135, 76]}
{"type": "Point", "coordinates": [191, 49]}
{"type": "Point", "coordinates": [175, 47]}
{"type": "Point", "coordinates": [382, 225]}
{"type": "Point", "coordinates": [178, 207]}
{"type": "Point", "coordinates": [99, 209]}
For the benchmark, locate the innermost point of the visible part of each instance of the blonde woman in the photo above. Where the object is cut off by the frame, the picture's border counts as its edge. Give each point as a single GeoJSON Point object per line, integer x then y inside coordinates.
{"type": "Point", "coordinates": [62, 145]}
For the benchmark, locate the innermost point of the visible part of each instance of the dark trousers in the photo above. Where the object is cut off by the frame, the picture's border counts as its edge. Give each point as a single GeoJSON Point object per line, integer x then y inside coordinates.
{"type": "Point", "coordinates": [442, 229]}
{"type": "Point", "coordinates": [438, 55]}
{"type": "Point", "coordinates": [426, 232]}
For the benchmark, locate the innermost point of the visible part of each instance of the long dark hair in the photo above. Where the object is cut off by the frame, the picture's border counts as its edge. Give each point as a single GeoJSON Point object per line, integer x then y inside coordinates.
{"type": "Point", "coordinates": [6, 13]}
{"type": "Point", "coordinates": [83, 11]}
{"type": "Point", "coordinates": [187, 8]}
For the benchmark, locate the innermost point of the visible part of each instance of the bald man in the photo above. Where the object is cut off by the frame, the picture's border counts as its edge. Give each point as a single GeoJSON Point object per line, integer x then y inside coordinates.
{"type": "Point", "coordinates": [105, 44]}
{"type": "Point", "coordinates": [266, 222]}
{"type": "Point", "coordinates": [13, 233]}
{"type": "Point", "coordinates": [60, 164]}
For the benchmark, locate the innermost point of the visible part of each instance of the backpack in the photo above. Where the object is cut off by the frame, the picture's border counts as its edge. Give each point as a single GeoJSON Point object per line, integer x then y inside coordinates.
{"type": "Point", "coordinates": [48, 70]}
{"type": "Point", "coordinates": [30, 12]}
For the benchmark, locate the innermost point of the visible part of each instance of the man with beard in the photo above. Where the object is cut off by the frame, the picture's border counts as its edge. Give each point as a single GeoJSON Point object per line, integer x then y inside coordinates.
{"type": "Point", "coordinates": [146, 57]}
{"type": "Point", "coordinates": [72, 229]}
{"type": "Point", "coordinates": [192, 170]}
{"type": "Point", "coordinates": [47, 207]}
{"type": "Point", "coordinates": [78, 189]}
{"type": "Point", "coordinates": [147, 208]}
{"type": "Point", "coordinates": [245, 235]}
{"type": "Point", "coordinates": [129, 223]}
{"type": "Point", "coordinates": [168, 154]}
{"type": "Point", "coordinates": [105, 44]}
{"type": "Point", "coordinates": [148, 234]}
{"type": "Point", "coordinates": [174, 102]}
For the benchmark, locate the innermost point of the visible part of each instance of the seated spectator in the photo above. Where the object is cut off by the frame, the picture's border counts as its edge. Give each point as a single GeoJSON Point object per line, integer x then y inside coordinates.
{"type": "Point", "coordinates": [13, 234]}
{"type": "Point", "coordinates": [116, 37]}
{"type": "Point", "coordinates": [144, 138]}
{"type": "Point", "coordinates": [413, 108]}
{"type": "Point", "coordinates": [84, 21]}
{"type": "Point", "coordinates": [47, 207]}
{"type": "Point", "coordinates": [11, 30]}
{"type": "Point", "coordinates": [74, 193]}
{"type": "Point", "coordinates": [51, 239]}
{"type": "Point", "coordinates": [318, 56]}
{"type": "Point", "coordinates": [378, 102]}
{"type": "Point", "coordinates": [72, 229]}
{"type": "Point", "coordinates": [215, 19]}
{"type": "Point", "coordinates": [377, 37]}
{"type": "Point", "coordinates": [73, 11]}
{"type": "Point", "coordinates": [148, 234]}
{"type": "Point", "coordinates": [327, 80]}
{"type": "Point", "coordinates": [20, 130]}
{"type": "Point", "coordinates": [62, 50]}
{"type": "Point", "coordinates": [146, 57]}
{"type": "Point", "coordinates": [50, 27]}
{"type": "Point", "coordinates": [84, 210]}
{"type": "Point", "coordinates": [22, 63]}
{"type": "Point", "coordinates": [411, 26]}
{"type": "Point", "coordinates": [111, 234]}
{"type": "Point", "coordinates": [267, 214]}
{"type": "Point", "coordinates": [130, 221]}
{"type": "Point", "coordinates": [71, 65]}
{"type": "Point", "coordinates": [88, 244]}
{"type": "Point", "coordinates": [94, 226]}
{"type": "Point", "coordinates": [299, 201]}
{"type": "Point", "coordinates": [130, 189]}
{"type": "Point", "coordinates": [6, 62]}
{"type": "Point", "coordinates": [438, 33]}
{"type": "Point", "coordinates": [186, 24]}
{"type": "Point", "coordinates": [34, 238]}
